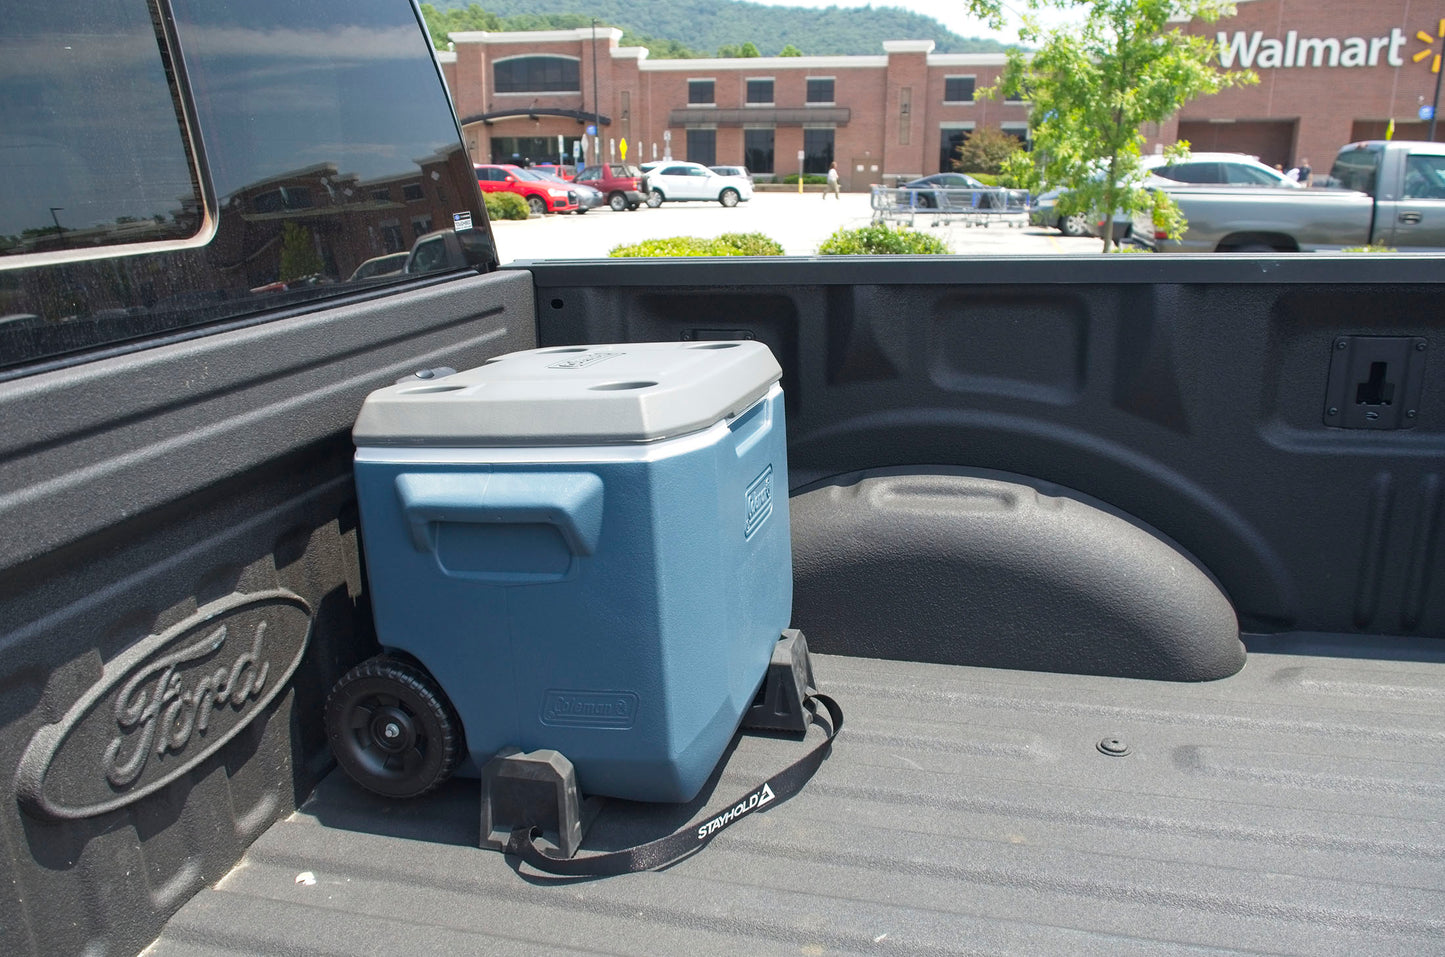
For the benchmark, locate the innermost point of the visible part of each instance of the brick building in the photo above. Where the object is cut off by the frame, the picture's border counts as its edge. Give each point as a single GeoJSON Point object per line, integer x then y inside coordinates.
{"type": "Point", "coordinates": [1330, 72]}
{"type": "Point", "coordinates": [533, 95]}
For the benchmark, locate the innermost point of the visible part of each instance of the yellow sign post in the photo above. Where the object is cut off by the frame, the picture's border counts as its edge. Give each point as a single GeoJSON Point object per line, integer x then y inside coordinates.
{"type": "Point", "coordinates": [623, 145]}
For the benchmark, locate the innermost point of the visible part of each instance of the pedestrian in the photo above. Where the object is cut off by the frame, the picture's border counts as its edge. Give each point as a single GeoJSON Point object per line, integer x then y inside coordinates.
{"type": "Point", "coordinates": [833, 183]}
{"type": "Point", "coordinates": [1304, 170]}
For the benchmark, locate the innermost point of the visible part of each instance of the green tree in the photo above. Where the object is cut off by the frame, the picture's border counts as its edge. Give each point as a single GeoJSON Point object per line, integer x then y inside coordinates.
{"type": "Point", "coordinates": [790, 50]}
{"type": "Point", "coordinates": [735, 51]}
{"type": "Point", "coordinates": [985, 151]}
{"type": "Point", "coordinates": [298, 253]}
{"type": "Point", "coordinates": [1094, 84]}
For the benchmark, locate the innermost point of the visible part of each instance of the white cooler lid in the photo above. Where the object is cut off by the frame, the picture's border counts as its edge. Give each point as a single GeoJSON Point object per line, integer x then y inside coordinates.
{"type": "Point", "coordinates": [573, 395]}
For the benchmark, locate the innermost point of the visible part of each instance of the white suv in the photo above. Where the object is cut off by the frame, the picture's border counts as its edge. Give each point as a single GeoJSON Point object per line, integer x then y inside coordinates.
{"type": "Point", "coordinates": [674, 180]}
{"type": "Point", "coordinates": [1220, 169]}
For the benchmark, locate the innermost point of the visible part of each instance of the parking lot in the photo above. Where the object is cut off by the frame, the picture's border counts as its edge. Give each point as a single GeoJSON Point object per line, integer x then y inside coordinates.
{"type": "Point", "coordinates": [798, 222]}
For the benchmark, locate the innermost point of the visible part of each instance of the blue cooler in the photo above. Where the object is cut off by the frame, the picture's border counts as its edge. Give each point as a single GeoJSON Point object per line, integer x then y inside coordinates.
{"type": "Point", "coordinates": [588, 549]}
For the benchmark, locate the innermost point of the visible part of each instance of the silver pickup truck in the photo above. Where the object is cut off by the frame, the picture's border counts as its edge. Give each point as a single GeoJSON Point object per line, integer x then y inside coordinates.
{"type": "Point", "coordinates": [1383, 193]}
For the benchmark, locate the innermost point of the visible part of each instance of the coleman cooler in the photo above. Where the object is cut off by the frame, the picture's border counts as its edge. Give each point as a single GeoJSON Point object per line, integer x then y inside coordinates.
{"type": "Point", "coordinates": [586, 549]}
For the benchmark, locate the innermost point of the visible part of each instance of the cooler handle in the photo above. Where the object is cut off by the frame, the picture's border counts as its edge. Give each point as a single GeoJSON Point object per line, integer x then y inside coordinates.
{"type": "Point", "coordinates": [569, 501]}
{"type": "Point", "coordinates": [750, 426]}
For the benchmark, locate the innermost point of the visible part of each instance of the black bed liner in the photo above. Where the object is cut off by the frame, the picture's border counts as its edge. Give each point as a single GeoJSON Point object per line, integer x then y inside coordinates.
{"type": "Point", "coordinates": [1294, 808]}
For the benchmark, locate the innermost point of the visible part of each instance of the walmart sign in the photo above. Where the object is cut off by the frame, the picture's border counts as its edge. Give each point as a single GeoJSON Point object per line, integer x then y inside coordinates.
{"type": "Point", "coordinates": [1251, 51]}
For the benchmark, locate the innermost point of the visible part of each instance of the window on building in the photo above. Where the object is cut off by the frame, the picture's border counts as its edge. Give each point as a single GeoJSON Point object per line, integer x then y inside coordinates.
{"type": "Point", "coordinates": [760, 92]}
{"type": "Point", "coordinates": [949, 140]}
{"type": "Point", "coordinates": [392, 239]}
{"type": "Point", "coordinates": [958, 89]}
{"type": "Point", "coordinates": [537, 74]}
{"type": "Point", "coordinates": [701, 92]}
{"type": "Point", "coordinates": [412, 193]}
{"type": "Point", "coordinates": [820, 90]}
{"type": "Point", "coordinates": [702, 146]}
{"type": "Point", "coordinates": [817, 150]}
{"type": "Point", "coordinates": [1019, 131]}
{"type": "Point", "coordinates": [758, 150]}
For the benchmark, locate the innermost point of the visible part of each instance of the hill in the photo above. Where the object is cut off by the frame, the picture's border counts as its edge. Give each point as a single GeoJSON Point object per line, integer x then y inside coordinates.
{"type": "Point", "coordinates": [672, 28]}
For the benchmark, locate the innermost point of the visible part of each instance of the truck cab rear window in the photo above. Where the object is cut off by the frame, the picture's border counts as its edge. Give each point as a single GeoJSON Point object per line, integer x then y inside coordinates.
{"type": "Point", "coordinates": [90, 140]}
{"type": "Point", "coordinates": [250, 166]}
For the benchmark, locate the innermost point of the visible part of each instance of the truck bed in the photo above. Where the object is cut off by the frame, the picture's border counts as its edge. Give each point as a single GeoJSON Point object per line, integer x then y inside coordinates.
{"type": "Point", "coordinates": [1293, 808]}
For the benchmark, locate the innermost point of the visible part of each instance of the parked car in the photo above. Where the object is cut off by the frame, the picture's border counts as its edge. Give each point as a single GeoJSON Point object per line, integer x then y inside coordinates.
{"type": "Point", "coordinates": [1200, 169]}
{"type": "Point", "coordinates": [1385, 193]}
{"type": "Point", "coordinates": [387, 265]}
{"type": "Point", "coordinates": [541, 196]}
{"type": "Point", "coordinates": [624, 185]}
{"type": "Point", "coordinates": [677, 180]}
{"type": "Point", "coordinates": [446, 250]}
{"type": "Point", "coordinates": [928, 195]}
{"type": "Point", "coordinates": [1220, 169]}
{"type": "Point", "coordinates": [587, 196]}
{"type": "Point", "coordinates": [566, 173]}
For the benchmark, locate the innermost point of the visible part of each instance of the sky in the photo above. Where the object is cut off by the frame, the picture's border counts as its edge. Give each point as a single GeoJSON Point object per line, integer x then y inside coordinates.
{"type": "Point", "coordinates": [953, 14]}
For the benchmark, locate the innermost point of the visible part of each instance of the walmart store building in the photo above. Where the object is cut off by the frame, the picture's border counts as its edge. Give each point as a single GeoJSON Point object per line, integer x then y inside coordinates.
{"type": "Point", "coordinates": [1330, 73]}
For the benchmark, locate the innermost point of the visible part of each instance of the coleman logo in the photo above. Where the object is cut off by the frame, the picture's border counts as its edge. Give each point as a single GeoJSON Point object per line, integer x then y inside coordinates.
{"type": "Point", "coordinates": [589, 709]}
{"type": "Point", "coordinates": [759, 502]}
{"type": "Point", "coordinates": [1252, 51]}
{"type": "Point", "coordinates": [164, 706]}
{"type": "Point", "coordinates": [759, 798]}
{"type": "Point", "coordinates": [584, 360]}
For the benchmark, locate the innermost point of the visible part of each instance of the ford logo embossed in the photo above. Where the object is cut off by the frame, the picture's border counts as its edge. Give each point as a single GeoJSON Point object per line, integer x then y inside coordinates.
{"type": "Point", "coordinates": [164, 706]}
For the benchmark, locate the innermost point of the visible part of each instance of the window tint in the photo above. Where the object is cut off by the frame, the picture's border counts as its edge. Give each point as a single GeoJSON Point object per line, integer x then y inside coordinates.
{"type": "Point", "coordinates": [700, 92]}
{"type": "Point", "coordinates": [327, 141]}
{"type": "Point", "coordinates": [1425, 177]}
{"type": "Point", "coordinates": [949, 141]}
{"type": "Point", "coordinates": [1191, 172]}
{"type": "Point", "coordinates": [958, 89]}
{"type": "Point", "coordinates": [702, 147]}
{"type": "Point", "coordinates": [760, 91]}
{"type": "Point", "coordinates": [820, 90]}
{"type": "Point", "coordinates": [1242, 175]}
{"type": "Point", "coordinates": [536, 74]}
{"type": "Point", "coordinates": [817, 150]}
{"type": "Point", "coordinates": [1356, 170]}
{"type": "Point", "coordinates": [758, 150]}
{"type": "Point", "coordinates": [87, 106]}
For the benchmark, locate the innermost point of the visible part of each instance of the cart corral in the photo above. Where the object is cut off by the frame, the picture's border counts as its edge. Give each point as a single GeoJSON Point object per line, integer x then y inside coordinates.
{"type": "Point", "coordinates": [946, 205]}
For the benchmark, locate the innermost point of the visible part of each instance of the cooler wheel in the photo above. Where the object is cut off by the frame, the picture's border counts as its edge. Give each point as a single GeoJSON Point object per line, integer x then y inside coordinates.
{"type": "Point", "coordinates": [392, 729]}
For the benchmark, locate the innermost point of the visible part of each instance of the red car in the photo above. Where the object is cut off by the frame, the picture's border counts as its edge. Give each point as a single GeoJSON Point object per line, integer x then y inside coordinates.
{"type": "Point", "coordinates": [561, 172]}
{"type": "Point", "coordinates": [624, 185]}
{"type": "Point", "coordinates": [542, 197]}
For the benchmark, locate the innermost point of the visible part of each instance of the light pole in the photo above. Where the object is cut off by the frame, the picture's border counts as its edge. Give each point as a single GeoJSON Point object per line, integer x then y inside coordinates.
{"type": "Point", "coordinates": [1435, 108]}
{"type": "Point", "coordinates": [596, 109]}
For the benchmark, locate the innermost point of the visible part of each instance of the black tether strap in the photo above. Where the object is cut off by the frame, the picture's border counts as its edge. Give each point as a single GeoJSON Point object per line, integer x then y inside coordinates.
{"type": "Point", "coordinates": [679, 844]}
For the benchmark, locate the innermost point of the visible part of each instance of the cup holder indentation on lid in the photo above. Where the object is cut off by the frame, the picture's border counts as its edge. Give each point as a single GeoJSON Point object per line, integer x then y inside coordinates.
{"type": "Point", "coordinates": [620, 386]}
{"type": "Point", "coordinates": [432, 389]}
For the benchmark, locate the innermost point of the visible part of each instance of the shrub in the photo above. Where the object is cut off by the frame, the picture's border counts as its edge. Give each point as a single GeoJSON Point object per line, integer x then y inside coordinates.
{"type": "Point", "coordinates": [880, 239]}
{"type": "Point", "coordinates": [728, 244]}
{"type": "Point", "coordinates": [506, 206]}
{"type": "Point", "coordinates": [809, 179]}
{"type": "Point", "coordinates": [985, 151]}
{"type": "Point", "coordinates": [749, 244]}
